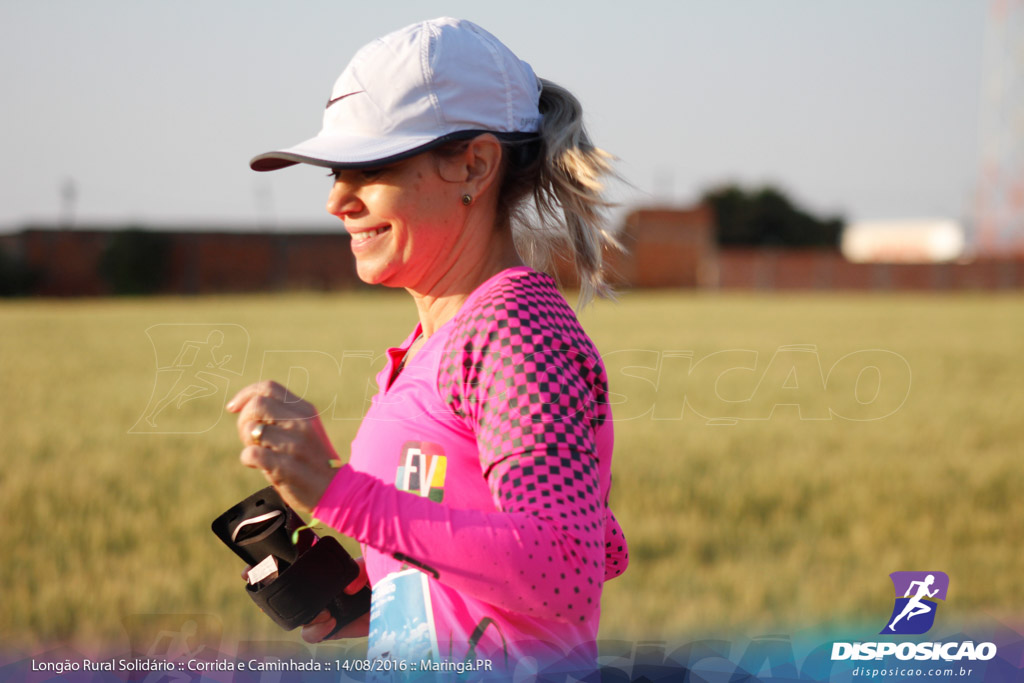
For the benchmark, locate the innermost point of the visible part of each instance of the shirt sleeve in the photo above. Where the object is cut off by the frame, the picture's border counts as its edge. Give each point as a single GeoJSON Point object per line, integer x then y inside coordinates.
{"type": "Point", "coordinates": [529, 384]}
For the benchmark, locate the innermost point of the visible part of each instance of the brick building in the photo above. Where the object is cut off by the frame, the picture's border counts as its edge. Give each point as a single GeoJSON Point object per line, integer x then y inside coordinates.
{"type": "Point", "coordinates": [664, 248]}
{"type": "Point", "coordinates": [67, 262]}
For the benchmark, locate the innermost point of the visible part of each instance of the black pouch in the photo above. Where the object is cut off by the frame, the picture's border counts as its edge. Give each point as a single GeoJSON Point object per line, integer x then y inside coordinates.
{"type": "Point", "coordinates": [304, 577]}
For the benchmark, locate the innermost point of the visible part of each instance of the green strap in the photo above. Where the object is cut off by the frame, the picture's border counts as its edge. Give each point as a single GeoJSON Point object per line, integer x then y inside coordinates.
{"type": "Point", "coordinates": [313, 523]}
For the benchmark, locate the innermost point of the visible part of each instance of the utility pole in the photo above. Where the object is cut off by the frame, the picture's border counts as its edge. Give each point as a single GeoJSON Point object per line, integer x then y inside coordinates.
{"type": "Point", "coordinates": [68, 197]}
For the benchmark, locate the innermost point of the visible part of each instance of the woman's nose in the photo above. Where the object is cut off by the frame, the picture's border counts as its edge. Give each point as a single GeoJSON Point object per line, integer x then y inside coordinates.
{"type": "Point", "coordinates": [342, 200]}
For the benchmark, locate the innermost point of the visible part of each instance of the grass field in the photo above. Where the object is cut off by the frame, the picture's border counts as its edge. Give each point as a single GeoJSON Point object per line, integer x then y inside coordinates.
{"type": "Point", "coordinates": [776, 456]}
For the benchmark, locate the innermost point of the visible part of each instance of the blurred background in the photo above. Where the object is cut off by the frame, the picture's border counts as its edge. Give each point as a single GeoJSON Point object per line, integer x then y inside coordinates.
{"type": "Point", "coordinates": [815, 350]}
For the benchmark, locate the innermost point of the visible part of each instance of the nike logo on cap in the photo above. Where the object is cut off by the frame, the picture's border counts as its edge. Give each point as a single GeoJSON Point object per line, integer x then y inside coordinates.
{"type": "Point", "coordinates": [341, 97]}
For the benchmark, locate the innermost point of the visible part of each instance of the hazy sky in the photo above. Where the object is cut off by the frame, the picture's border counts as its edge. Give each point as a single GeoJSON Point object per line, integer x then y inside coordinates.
{"type": "Point", "coordinates": [865, 107]}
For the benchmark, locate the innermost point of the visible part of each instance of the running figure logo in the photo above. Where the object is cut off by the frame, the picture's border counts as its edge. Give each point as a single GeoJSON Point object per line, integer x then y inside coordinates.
{"type": "Point", "coordinates": [195, 364]}
{"type": "Point", "coordinates": [914, 612]}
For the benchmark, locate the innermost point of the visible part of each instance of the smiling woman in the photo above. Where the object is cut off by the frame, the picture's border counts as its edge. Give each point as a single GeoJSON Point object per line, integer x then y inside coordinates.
{"type": "Point", "coordinates": [404, 230]}
{"type": "Point", "coordinates": [478, 482]}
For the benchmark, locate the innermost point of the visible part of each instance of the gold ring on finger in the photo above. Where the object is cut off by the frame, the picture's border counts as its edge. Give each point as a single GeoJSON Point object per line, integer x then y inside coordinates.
{"type": "Point", "coordinates": [257, 432]}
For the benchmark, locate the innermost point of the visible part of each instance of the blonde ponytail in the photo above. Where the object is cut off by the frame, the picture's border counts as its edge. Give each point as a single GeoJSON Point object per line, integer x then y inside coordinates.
{"type": "Point", "coordinates": [564, 177]}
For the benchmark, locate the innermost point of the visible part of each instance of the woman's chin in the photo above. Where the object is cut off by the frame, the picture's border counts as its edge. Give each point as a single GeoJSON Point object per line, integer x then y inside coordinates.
{"type": "Point", "coordinates": [371, 275]}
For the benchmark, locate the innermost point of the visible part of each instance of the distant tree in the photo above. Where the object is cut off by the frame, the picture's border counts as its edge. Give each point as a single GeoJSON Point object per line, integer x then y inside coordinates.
{"type": "Point", "coordinates": [16, 278]}
{"type": "Point", "coordinates": [766, 217]}
{"type": "Point", "coordinates": [134, 261]}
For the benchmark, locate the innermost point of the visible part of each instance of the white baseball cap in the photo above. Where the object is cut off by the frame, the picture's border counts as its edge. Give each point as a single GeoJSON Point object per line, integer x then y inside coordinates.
{"type": "Point", "coordinates": [423, 85]}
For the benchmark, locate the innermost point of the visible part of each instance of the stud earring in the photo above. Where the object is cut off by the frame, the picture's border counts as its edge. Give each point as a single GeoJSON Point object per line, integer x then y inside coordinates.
{"type": "Point", "coordinates": [467, 199]}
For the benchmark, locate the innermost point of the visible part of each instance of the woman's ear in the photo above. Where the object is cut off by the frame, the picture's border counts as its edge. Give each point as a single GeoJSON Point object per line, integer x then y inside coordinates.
{"type": "Point", "coordinates": [476, 166]}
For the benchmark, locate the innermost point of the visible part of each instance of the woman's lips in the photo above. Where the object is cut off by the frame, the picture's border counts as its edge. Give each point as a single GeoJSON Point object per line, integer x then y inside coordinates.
{"type": "Point", "coordinates": [363, 236]}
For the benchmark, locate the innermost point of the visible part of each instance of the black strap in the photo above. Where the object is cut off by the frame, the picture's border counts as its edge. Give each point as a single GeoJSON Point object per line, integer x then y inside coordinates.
{"type": "Point", "coordinates": [347, 608]}
{"type": "Point", "coordinates": [402, 557]}
{"type": "Point", "coordinates": [477, 636]}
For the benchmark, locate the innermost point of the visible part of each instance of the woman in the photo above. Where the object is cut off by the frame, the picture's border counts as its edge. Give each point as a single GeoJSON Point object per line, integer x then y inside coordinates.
{"type": "Point", "coordinates": [478, 482]}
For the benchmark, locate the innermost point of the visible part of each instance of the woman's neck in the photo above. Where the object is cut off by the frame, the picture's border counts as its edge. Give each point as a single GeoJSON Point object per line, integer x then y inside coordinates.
{"type": "Point", "coordinates": [445, 297]}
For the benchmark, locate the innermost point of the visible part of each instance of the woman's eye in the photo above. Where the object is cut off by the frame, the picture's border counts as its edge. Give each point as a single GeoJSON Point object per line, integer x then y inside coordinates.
{"type": "Point", "coordinates": [360, 175]}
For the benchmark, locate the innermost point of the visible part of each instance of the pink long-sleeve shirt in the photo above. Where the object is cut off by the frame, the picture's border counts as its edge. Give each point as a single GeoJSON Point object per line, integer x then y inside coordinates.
{"type": "Point", "coordinates": [478, 485]}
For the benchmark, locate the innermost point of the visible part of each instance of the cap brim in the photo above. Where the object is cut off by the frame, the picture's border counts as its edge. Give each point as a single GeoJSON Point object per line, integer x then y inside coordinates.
{"type": "Point", "coordinates": [350, 152]}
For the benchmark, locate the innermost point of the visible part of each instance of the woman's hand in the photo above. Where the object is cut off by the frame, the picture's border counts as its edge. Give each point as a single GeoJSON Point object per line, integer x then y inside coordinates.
{"type": "Point", "coordinates": [293, 450]}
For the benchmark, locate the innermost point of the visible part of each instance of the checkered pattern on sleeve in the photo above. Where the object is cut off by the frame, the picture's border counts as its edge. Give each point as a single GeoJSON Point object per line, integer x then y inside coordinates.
{"type": "Point", "coordinates": [523, 374]}
{"type": "Point", "coordinates": [531, 385]}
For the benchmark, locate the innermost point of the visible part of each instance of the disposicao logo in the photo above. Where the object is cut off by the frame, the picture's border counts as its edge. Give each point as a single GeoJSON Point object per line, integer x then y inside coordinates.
{"type": "Point", "coordinates": [914, 612]}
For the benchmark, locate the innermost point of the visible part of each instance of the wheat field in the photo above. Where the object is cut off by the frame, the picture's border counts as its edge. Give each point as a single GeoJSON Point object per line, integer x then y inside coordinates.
{"type": "Point", "coordinates": [776, 456]}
